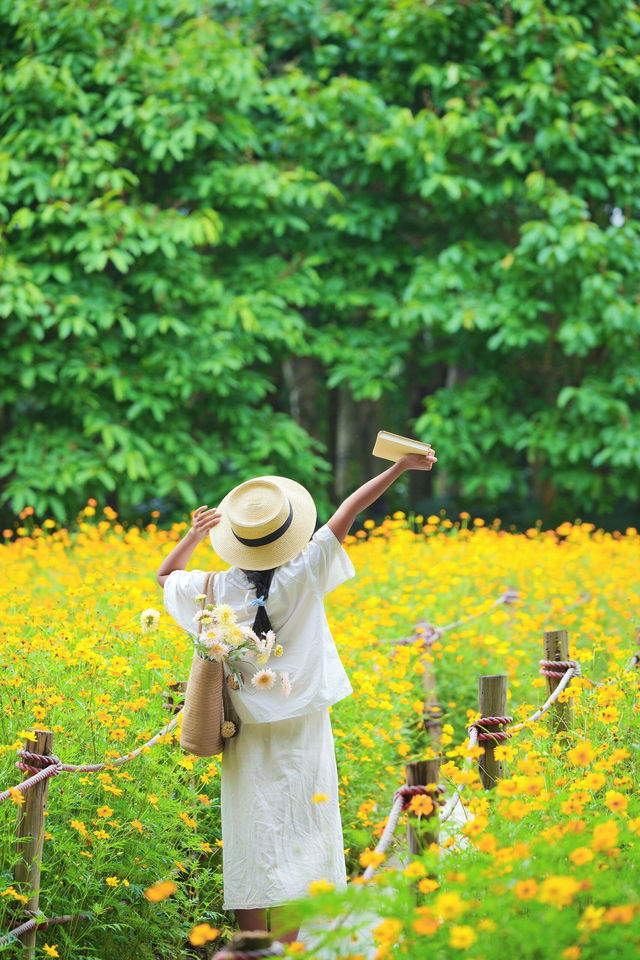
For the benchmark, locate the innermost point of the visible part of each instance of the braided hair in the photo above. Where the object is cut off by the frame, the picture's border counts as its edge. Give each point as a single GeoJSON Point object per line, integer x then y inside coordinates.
{"type": "Point", "coordinates": [261, 580]}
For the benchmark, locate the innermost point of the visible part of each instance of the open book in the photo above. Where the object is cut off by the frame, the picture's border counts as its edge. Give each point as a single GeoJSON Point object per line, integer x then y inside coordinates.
{"type": "Point", "coordinates": [390, 446]}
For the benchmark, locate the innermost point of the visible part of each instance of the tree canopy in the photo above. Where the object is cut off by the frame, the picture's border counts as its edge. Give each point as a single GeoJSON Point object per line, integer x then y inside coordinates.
{"type": "Point", "coordinates": [240, 237]}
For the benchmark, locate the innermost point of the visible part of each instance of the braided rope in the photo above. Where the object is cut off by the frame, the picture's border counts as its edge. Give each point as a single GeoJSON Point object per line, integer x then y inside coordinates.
{"type": "Point", "coordinates": [18, 931]}
{"type": "Point", "coordinates": [556, 668]}
{"type": "Point", "coordinates": [54, 766]}
{"type": "Point", "coordinates": [41, 925]}
{"type": "Point", "coordinates": [229, 953]}
{"type": "Point", "coordinates": [94, 767]}
{"type": "Point", "coordinates": [40, 765]}
{"type": "Point", "coordinates": [401, 801]}
{"type": "Point", "coordinates": [495, 735]}
{"type": "Point", "coordinates": [451, 804]}
{"type": "Point", "coordinates": [508, 597]}
{"type": "Point", "coordinates": [574, 670]}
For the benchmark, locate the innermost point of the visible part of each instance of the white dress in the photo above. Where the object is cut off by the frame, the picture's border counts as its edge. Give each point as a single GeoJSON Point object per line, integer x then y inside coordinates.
{"type": "Point", "coordinates": [276, 839]}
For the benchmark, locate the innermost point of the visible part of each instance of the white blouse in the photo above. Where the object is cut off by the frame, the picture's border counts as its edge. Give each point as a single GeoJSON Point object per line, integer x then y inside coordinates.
{"type": "Point", "coordinates": [296, 611]}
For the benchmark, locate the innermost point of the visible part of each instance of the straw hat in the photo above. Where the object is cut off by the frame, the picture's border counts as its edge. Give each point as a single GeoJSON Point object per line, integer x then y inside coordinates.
{"type": "Point", "coordinates": [265, 522]}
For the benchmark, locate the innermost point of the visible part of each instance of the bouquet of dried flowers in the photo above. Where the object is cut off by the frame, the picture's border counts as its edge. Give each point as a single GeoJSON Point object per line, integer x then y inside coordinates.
{"type": "Point", "coordinates": [221, 638]}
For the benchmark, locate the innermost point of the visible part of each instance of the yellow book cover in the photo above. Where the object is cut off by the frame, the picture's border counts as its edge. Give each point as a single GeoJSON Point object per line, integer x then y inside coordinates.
{"type": "Point", "coordinates": [391, 446]}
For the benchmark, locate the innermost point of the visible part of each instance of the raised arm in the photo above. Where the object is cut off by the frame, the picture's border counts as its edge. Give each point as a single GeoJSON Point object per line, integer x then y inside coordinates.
{"type": "Point", "coordinates": [203, 521]}
{"type": "Point", "coordinates": [342, 520]}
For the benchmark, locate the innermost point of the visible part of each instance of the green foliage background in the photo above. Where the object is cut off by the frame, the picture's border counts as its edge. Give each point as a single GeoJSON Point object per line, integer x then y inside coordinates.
{"type": "Point", "coordinates": [240, 237]}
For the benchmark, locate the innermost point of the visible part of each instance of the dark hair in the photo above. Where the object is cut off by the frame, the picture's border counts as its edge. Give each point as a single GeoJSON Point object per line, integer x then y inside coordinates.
{"type": "Point", "coordinates": [261, 580]}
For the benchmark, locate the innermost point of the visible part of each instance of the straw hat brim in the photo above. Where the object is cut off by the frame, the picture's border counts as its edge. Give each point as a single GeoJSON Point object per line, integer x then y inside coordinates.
{"type": "Point", "coordinates": [285, 548]}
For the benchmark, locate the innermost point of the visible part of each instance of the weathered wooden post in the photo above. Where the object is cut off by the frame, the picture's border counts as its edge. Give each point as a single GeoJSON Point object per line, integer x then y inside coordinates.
{"type": "Point", "coordinates": [556, 647]}
{"type": "Point", "coordinates": [245, 945]}
{"type": "Point", "coordinates": [173, 698]}
{"type": "Point", "coordinates": [30, 837]}
{"type": "Point", "coordinates": [492, 702]}
{"type": "Point", "coordinates": [424, 773]}
{"type": "Point", "coordinates": [431, 711]}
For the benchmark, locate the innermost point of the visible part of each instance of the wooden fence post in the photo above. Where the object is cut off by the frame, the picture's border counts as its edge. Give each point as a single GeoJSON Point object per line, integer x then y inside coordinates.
{"type": "Point", "coordinates": [250, 943]}
{"type": "Point", "coordinates": [432, 711]}
{"type": "Point", "coordinates": [492, 702]}
{"type": "Point", "coordinates": [556, 647]}
{"type": "Point", "coordinates": [30, 837]}
{"type": "Point", "coordinates": [173, 698]}
{"type": "Point", "coordinates": [424, 773]}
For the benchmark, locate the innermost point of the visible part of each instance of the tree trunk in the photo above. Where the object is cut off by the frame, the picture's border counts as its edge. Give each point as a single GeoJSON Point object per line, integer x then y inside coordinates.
{"type": "Point", "coordinates": [346, 462]}
{"type": "Point", "coordinates": [443, 485]}
{"type": "Point", "coordinates": [301, 375]}
{"type": "Point", "coordinates": [357, 423]}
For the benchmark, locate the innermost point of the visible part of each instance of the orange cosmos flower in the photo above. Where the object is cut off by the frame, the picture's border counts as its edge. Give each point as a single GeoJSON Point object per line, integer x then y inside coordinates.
{"type": "Point", "coordinates": [605, 836]}
{"type": "Point", "coordinates": [526, 889]}
{"type": "Point", "coordinates": [160, 891]}
{"type": "Point", "coordinates": [202, 933]}
{"type": "Point", "coordinates": [622, 914]}
{"type": "Point", "coordinates": [617, 802]}
{"type": "Point", "coordinates": [421, 805]}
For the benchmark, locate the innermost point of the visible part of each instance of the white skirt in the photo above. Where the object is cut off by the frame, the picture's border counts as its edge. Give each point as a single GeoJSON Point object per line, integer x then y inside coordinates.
{"type": "Point", "coordinates": [275, 839]}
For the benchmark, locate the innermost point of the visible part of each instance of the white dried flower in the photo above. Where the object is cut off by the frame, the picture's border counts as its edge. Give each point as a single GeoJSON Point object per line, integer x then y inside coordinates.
{"type": "Point", "coordinates": [285, 681]}
{"type": "Point", "coordinates": [149, 619]}
{"type": "Point", "coordinates": [263, 679]}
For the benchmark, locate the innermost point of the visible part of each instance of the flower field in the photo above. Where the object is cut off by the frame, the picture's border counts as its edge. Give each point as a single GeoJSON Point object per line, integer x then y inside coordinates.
{"type": "Point", "coordinates": [546, 866]}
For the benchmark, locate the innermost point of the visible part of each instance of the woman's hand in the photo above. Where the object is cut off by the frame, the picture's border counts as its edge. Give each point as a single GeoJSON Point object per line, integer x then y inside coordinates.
{"type": "Point", "coordinates": [417, 461]}
{"type": "Point", "coordinates": [203, 520]}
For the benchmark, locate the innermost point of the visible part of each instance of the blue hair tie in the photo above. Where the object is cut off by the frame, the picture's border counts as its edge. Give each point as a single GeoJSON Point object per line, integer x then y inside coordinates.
{"type": "Point", "coordinates": [258, 602]}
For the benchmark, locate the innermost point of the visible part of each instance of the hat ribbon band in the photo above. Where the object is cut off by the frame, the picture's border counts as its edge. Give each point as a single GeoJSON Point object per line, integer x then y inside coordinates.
{"type": "Point", "coordinates": [270, 537]}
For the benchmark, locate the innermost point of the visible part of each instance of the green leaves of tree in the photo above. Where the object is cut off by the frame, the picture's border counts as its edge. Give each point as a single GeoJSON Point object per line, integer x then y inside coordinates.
{"type": "Point", "coordinates": [420, 197]}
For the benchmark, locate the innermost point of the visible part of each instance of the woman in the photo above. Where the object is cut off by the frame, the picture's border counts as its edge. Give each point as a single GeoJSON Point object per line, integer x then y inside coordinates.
{"type": "Point", "coordinates": [276, 838]}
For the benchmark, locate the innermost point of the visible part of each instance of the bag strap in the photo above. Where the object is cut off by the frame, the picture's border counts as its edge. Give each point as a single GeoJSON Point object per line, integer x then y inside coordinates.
{"type": "Point", "coordinates": [207, 593]}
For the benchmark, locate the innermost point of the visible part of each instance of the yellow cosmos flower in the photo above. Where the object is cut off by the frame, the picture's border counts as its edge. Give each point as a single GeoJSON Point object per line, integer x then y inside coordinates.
{"type": "Point", "coordinates": [450, 905]}
{"type": "Point", "coordinates": [414, 870]}
{"type": "Point", "coordinates": [605, 836]}
{"type": "Point", "coordinates": [461, 938]}
{"type": "Point", "coordinates": [592, 919]}
{"type": "Point", "coordinates": [388, 931]}
{"type": "Point", "coordinates": [581, 855]}
{"type": "Point", "coordinates": [558, 891]}
{"type": "Point", "coordinates": [582, 754]}
{"type": "Point", "coordinates": [319, 886]}
{"type": "Point", "coordinates": [428, 885]}
{"type": "Point", "coordinates": [369, 858]}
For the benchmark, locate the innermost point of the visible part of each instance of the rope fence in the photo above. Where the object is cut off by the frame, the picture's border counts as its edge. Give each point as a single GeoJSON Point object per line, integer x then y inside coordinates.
{"type": "Point", "coordinates": [52, 765]}
{"type": "Point", "coordinates": [486, 729]}
{"type": "Point", "coordinates": [41, 923]}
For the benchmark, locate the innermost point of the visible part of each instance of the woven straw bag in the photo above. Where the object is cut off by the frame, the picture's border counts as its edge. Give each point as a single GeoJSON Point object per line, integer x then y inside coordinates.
{"type": "Point", "coordinates": [207, 706]}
